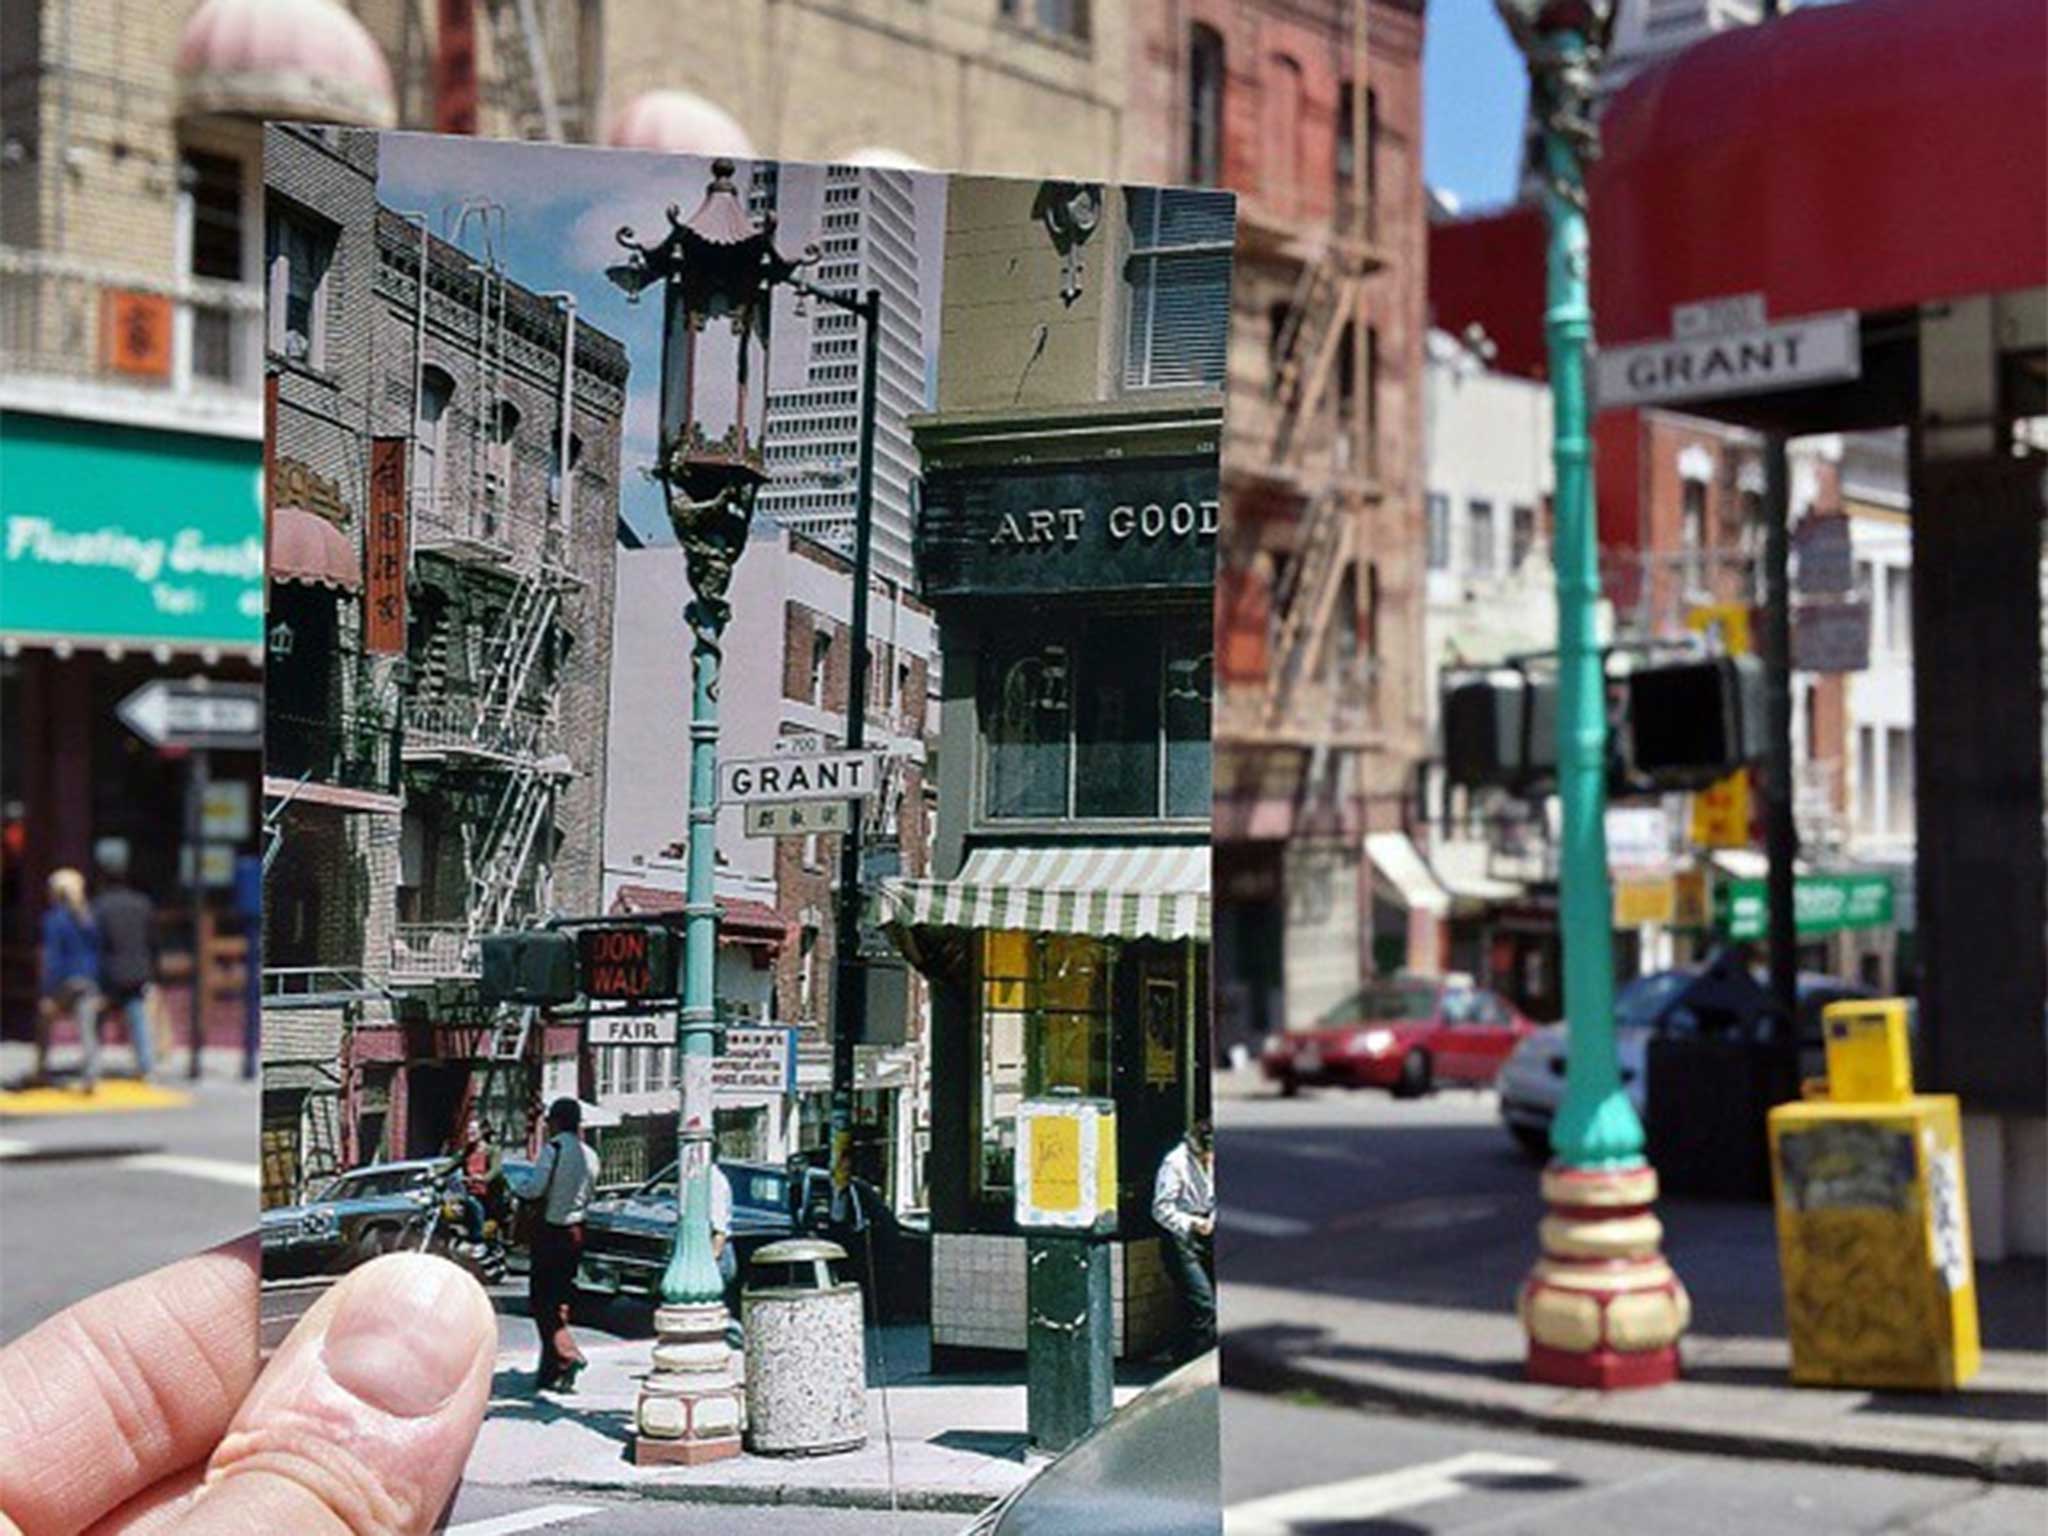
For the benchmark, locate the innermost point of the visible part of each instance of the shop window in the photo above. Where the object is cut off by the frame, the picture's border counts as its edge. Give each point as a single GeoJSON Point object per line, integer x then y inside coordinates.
{"type": "Point", "coordinates": [1205, 105]}
{"type": "Point", "coordinates": [1178, 287]}
{"type": "Point", "coordinates": [299, 253]}
{"type": "Point", "coordinates": [1114, 726]}
{"type": "Point", "coordinates": [1045, 1024]}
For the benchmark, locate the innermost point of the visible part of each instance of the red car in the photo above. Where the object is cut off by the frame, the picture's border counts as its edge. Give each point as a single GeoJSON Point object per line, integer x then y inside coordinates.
{"type": "Point", "coordinates": [1408, 1035]}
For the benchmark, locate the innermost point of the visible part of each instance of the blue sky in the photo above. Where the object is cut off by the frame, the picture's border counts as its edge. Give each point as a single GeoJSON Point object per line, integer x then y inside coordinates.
{"type": "Point", "coordinates": [1473, 96]}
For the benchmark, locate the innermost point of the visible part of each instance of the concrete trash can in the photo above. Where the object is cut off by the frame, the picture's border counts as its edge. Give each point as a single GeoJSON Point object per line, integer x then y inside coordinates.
{"type": "Point", "coordinates": [806, 1350]}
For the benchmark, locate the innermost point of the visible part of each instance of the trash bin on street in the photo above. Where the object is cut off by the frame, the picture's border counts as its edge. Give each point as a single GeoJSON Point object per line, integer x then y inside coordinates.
{"type": "Point", "coordinates": [1707, 1097]}
{"type": "Point", "coordinates": [806, 1351]}
{"type": "Point", "coordinates": [1873, 1218]}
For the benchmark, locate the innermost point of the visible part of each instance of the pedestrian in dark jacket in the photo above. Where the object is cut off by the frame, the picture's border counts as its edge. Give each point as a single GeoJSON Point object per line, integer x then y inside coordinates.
{"type": "Point", "coordinates": [127, 924]}
{"type": "Point", "coordinates": [71, 974]}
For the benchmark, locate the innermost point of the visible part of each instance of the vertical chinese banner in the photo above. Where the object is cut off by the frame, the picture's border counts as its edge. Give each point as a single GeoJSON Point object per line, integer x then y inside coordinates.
{"type": "Point", "coordinates": [384, 615]}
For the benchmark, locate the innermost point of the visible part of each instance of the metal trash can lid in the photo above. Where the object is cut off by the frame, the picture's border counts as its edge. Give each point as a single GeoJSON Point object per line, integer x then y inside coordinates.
{"type": "Point", "coordinates": [799, 1250]}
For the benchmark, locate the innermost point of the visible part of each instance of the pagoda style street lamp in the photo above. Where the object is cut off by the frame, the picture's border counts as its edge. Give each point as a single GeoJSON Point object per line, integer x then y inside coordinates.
{"type": "Point", "coordinates": [1601, 1308]}
{"type": "Point", "coordinates": [718, 270]}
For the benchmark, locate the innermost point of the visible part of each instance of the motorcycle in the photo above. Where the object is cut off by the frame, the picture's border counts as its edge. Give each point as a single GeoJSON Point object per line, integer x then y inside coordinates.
{"type": "Point", "coordinates": [441, 1229]}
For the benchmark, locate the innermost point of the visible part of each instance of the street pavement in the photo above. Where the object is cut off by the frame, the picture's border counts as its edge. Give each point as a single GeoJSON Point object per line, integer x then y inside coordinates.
{"type": "Point", "coordinates": [1295, 1468]}
{"type": "Point", "coordinates": [101, 1191]}
{"type": "Point", "coordinates": [1370, 1249]}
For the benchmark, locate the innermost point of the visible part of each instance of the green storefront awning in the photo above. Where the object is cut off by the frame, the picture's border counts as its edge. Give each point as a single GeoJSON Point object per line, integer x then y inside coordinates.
{"type": "Point", "coordinates": [1820, 904]}
{"type": "Point", "coordinates": [130, 536]}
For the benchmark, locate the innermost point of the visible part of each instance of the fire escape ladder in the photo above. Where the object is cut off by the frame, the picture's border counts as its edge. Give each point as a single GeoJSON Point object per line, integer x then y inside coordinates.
{"type": "Point", "coordinates": [519, 45]}
{"type": "Point", "coordinates": [1306, 601]}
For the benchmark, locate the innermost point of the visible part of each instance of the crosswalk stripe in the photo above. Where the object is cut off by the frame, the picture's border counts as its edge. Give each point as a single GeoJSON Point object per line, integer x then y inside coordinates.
{"type": "Point", "coordinates": [217, 1170]}
{"type": "Point", "coordinates": [523, 1520]}
{"type": "Point", "coordinates": [1366, 1498]}
{"type": "Point", "coordinates": [1262, 1223]}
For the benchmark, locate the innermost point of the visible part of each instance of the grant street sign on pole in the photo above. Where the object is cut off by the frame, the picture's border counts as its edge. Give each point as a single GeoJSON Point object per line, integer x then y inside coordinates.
{"type": "Point", "coordinates": [1814, 349]}
{"type": "Point", "coordinates": [800, 776]}
{"type": "Point", "coordinates": [196, 713]}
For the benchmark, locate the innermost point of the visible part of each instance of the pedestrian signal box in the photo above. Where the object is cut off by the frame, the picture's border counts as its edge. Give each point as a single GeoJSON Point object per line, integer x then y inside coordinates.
{"type": "Point", "coordinates": [534, 967]}
{"type": "Point", "coordinates": [1873, 1218]}
{"type": "Point", "coordinates": [1066, 1165]}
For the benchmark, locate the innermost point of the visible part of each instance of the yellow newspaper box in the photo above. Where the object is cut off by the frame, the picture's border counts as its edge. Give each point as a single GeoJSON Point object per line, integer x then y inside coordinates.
{"type": "Point", "coordinates": [1873, 1226]}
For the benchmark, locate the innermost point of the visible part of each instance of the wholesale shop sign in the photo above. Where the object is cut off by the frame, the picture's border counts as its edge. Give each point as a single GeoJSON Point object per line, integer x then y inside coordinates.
{"type": "Point", "coordinates": [1111, 526]}
{"type": "Point", "coordinates": [1820, 904]}
{"type": "Point", "coordinates": [119, 534]}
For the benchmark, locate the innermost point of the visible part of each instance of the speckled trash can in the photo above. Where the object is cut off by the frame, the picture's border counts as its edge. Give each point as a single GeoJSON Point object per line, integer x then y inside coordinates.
{"type": "Point", "coordinates": [806, 1352]}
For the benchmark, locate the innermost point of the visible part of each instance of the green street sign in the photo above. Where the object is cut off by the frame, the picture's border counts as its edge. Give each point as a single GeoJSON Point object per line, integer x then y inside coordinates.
{"type": "Point", "coordinates": [1820, 904]}
{"type": "Point", "coordinates": [124, 534]}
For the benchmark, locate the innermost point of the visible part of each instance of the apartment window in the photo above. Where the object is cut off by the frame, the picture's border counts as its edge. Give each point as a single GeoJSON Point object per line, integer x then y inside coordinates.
{"type": "Point", "coordinates": [807, 973]}
{"type": "Point", "coordinates": [1866, 778]}
{"type": "Point", "coordinates": [1479, 538]}
{"type": "Point", "coordinates": [1059, 18]}
{"type": "Point", "coordinates": [1205, 106]}
{"type": "Point", "coordinates": [1114, 726]}
{"type": "Point", "coordinates": [1347, 148]}
{"type": "Point", "coordinates": [1898, 610]}
{"type": "Point", "coordinates": [1178, 285]}
{"type": "Point", "coordinates": [813, 858]}
{"type": "Point", "coordinates": [1438, 512]}
{"type": "Point", "coordinates": [211, 188]}
{"type": "Point", "coordinates": [821, 654]}
{"type": "Point", "coordinates": [1692, 536]}
{"type": "Point", "coordinates": [299, 253]}
{"type": "Point", "coordinates": [1521, 536]}
{"type": "Point", "coordinates": [498, 461]}
{"type": "Point", "coordinates": [1281, 92]}
{"type": "Point", "coordinates": [437, 391]}
{"type": "Point", "coordinates": [1898, 781]}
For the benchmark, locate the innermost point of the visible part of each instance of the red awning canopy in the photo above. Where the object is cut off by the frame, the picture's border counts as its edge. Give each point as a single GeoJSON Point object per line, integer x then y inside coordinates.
{"type": "Point", "coordinates": [1870, 157]}
{"type": "Point", "coordinates": [306, 548]}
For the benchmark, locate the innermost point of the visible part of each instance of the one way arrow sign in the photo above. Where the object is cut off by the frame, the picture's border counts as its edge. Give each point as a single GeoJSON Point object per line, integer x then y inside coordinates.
{"type": "Point", "coordinates": [197, 713]}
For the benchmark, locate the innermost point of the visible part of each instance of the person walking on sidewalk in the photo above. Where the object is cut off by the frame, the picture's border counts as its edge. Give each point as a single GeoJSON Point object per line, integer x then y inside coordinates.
{"type": "Point", "coordinates": [1184, 1205]}
{"type": "Point", "coordinates": [127, 924]}
{"type": "Point", "coordinates": [71, 975]}
{"type": "Point", "coordinates": [722, 1250]}
{"type": "Point", "coordinates": [563, 1182]}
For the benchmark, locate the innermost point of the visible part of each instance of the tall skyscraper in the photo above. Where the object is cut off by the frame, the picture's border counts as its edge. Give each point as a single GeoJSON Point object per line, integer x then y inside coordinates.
{"type": "Point", "coordinates": [864, 222]}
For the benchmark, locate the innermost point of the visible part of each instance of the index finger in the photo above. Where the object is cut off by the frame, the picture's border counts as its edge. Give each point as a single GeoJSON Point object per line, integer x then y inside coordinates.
{"type": "Point", "coordinates": [125, 1388]}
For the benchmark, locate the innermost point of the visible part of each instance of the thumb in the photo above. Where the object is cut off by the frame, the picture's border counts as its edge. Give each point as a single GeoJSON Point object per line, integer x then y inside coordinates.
{"type": "Point", "coordinates": [362, 1422]}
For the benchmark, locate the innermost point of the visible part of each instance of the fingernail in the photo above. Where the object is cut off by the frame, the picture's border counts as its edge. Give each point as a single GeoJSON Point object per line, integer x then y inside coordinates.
{"type": "Point", "coordinates": [405, 1333]}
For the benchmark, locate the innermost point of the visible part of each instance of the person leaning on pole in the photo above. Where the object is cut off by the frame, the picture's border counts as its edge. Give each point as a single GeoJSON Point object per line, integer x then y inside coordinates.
{"type": "Point", "coordinates": [1184, 1205]}
{"type": "Point", "coordinates": [562, 1182]}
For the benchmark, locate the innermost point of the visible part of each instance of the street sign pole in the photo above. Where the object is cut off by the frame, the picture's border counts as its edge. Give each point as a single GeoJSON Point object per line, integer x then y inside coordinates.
{"type": "Point", "coordinates": [1781, 833]}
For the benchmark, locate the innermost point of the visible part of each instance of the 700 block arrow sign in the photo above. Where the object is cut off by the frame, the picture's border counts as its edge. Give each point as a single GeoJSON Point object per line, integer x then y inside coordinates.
{"type": "Point", "coordinates": [196, 712]}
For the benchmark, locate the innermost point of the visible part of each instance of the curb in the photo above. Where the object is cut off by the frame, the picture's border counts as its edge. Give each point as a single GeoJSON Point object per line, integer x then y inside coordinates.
{"type": "Point", "coordinates": [1251, 1369]}
{"type": "Point", "coordinates": [914, 1501]}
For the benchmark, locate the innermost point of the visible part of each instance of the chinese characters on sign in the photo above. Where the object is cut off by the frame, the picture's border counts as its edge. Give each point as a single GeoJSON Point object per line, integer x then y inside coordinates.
{"type": "Point", "coordinates": [135, 333]}
{"type": "Point", "coordinates": [384, 607]}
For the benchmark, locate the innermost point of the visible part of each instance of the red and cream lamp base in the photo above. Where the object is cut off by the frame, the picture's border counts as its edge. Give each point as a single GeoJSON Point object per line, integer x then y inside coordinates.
{"type": "Point", "coordinates": [1602, 1308]}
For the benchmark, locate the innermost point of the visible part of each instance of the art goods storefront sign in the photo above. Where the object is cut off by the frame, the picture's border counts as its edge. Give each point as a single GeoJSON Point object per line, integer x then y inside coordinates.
{"type": "Point", "coordinates": [1138, 525]}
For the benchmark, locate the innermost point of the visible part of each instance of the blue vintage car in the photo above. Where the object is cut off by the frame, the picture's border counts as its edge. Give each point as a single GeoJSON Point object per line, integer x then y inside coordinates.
{"type": "Point", "coordinates": [364, 1212]}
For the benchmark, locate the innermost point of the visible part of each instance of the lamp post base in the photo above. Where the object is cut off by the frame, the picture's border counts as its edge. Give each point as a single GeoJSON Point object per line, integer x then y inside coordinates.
{"type": "Point", "coordinates": [1602, 1308]}
{"type": "Point", "coordinates": [691, 1406]}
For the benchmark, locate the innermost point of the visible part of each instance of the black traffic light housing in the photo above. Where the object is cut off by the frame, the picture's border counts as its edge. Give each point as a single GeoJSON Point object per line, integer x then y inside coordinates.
{"type": "Point", "coordinates": [1500, 728]}
{"type": "Point", "coordinates": [1691, 721]}
{"type": "Point", "coordinates": [534, 966]}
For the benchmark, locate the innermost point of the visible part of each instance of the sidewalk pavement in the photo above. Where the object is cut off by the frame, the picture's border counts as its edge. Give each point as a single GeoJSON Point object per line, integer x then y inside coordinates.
{"type": "Point", "coordinates": [944, 1444]}
{"type": "Point", "coordinates": [118, 1088]}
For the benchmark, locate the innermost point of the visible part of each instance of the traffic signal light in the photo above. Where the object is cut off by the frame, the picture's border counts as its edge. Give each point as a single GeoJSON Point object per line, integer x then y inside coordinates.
{"type": "Point", "coordinates": [532, 967]}
{"type": "Point", "coordinates": [1500, 729]}
{"type": "Point", "coordinates": [1688, 722]}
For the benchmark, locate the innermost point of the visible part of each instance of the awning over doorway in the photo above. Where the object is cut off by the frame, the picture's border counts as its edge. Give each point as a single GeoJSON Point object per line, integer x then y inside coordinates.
{"type": "Point", "coordinates": [306, 548]}
{"type": "Point", "coordinates": [1159, 892]}
{"type": "Point", "coordinates": [1403, 867]}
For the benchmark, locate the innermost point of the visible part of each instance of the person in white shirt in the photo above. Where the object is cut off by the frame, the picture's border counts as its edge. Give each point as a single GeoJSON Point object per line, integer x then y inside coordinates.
{"type": "Point", "coordinates": [722, 1249]}
{"type": "Point", "coordinates": [1184, 1205]}
{"type": "Point", "coordinates": [563, 1181]}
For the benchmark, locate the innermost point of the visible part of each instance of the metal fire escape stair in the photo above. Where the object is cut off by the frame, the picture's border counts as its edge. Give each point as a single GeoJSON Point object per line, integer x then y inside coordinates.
{"type": "Point", "coordinates": [519, 46]}
{"type": "Point", "coordinates": [511, 651]}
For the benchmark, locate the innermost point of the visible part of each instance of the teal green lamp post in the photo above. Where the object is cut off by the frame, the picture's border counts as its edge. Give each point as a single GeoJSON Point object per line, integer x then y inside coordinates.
{"type": "Point", "coordinates": [718, 270]}
{"type": "Point", "coordinates": [1601, 1308]}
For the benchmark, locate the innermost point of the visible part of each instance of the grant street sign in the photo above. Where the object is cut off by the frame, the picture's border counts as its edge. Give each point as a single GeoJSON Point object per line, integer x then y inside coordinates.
{"type": "Point", "coordinates": [800, 776]}
{"type": "Point", "coordinates": [796, 819]}
{"type": "Point", "coordinates": [1817, 349]}
{"type": "Point", "coordinates": [196, 713]}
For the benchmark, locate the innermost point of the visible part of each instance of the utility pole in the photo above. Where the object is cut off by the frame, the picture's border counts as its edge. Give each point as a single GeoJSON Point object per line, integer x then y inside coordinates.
{"type": "Point", "coordinates": [849, 970]}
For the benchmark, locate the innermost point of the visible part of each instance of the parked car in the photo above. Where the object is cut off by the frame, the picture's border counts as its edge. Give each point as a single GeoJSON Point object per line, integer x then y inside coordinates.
{"type": "Point", "coordinates": [1408, 1034]}
{"type": "Point", "coordinates": [1152, 1468]}
{"type": "Point", "coordinates": [627, 1237]}
{"type": "Point", "coordinates": [1709, 997]}
{"type": "Point", "coordinates": [362, 1213]}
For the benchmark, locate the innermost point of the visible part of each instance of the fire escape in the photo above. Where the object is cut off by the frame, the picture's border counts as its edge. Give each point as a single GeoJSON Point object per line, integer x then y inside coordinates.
{"type": "Point", "coordinates": [1300, 512]}
{"type": "Point", "coordinates": [494, 733]}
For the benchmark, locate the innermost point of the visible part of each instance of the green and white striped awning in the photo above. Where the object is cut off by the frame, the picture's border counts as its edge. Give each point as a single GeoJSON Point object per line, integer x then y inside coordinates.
{"type": "Point", "coordinates": [1159, 892]}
